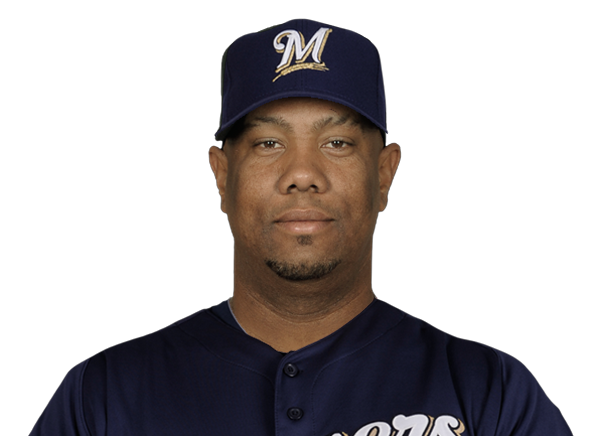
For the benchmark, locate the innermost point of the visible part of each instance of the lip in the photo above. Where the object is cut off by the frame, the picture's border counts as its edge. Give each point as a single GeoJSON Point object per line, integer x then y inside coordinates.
{"type": "Point", "coordinates": [302, 215]}
{"type": "Point", "coordinates": [302, 227]}
{"type": "Point", "coordinates": [303, 221]}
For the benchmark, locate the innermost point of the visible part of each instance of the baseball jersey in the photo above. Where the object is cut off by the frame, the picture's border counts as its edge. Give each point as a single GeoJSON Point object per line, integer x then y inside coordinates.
{"type": "Point", "coordinates": [385, 373]}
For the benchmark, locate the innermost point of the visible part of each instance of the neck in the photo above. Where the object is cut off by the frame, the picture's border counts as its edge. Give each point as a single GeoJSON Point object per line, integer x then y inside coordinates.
{"type": "Point", "coordinates": [289, 315]}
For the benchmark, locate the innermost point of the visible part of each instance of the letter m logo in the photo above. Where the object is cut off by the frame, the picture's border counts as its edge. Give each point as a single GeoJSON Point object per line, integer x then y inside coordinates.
{"type": "Point", "coordinates": [296, 47]}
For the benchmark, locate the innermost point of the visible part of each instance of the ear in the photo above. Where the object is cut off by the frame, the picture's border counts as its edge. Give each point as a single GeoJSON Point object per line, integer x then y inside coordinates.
{"type": "Point", "coordinates": [389, 159]}
{"type": "Point", "coordinates": [218, 163]}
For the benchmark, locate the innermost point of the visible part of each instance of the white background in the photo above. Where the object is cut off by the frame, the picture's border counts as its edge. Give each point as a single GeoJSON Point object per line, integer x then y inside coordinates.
{"type": "Point", "coordinates": [109, 217]}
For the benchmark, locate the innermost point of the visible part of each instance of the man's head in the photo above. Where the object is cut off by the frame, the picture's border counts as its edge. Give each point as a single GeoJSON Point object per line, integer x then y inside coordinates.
{"type": "Point", "coordinates": [302, 185]}
{"type": "Point", "coordinates": [303, 172]}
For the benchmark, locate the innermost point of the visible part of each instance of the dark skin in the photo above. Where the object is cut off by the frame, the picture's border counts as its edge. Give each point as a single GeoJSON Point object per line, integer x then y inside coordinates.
{"type": "Point", "coordinates": [302, 187]}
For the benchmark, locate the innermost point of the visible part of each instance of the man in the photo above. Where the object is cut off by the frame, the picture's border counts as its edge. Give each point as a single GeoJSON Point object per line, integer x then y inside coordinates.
{"type": "Point", "coordinates": [302, 347]}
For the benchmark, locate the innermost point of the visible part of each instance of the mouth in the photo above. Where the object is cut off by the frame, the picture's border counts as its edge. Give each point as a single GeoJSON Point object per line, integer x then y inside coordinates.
{"type": "Point", "coordinates": [303, 227]}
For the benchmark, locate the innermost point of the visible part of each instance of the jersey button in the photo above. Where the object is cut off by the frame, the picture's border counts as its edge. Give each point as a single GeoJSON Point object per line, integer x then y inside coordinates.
{"type": "Point", "coordinates": [290, 370]}
{"type": "Point", "coordinates": [295, 413]}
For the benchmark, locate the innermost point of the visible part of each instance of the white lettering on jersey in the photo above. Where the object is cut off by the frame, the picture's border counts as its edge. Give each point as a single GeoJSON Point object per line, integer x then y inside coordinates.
{"type": "Point", "coordinates": [296, 47]}
{"type": "Point", "coordinates": [418, 424]}
{"type": "Point", "coordinates": [375, 429]}
{"type": "Point", "coordinates": [447, 425]}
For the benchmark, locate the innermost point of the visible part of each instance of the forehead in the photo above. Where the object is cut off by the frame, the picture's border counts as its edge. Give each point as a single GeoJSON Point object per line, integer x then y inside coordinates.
{"type": "Point", "coordinates": [288, 112]}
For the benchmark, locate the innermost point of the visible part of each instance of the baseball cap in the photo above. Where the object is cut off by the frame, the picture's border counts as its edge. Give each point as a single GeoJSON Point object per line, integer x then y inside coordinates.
{"type": "Point", "coordinates": [301, 58]}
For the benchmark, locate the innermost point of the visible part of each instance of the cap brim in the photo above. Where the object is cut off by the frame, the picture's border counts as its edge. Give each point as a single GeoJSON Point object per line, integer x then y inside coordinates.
{"type": "Point", "coordinates": [222, 133]}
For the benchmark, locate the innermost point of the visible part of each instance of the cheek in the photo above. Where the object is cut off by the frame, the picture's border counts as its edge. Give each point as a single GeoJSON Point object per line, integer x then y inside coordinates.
{"type": "Point", "coordinates": [248, 194]}
{"type": "Point", "coordinates": [360, 190]}
{"type": "Point", "coordinates": [367, 182]}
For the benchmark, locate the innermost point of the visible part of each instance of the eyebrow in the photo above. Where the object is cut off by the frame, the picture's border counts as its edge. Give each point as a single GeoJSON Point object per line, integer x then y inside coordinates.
{"type": "Point", "coordinates": [336, 121]}
{"type": "Point", "coordinates": [317, 125]}
{"type": "Point", "coordinates": [278, 121]}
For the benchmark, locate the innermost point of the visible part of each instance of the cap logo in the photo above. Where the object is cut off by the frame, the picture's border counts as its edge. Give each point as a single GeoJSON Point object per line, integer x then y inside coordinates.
{"type": "Point", "coordinates": [295, 47]}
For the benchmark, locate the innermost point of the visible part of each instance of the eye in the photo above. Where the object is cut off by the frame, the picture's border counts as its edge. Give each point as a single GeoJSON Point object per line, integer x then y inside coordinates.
{"type": "Point", "coordinates": [269, 144]}
{"type": "Point", "coordinates": [336, 144]}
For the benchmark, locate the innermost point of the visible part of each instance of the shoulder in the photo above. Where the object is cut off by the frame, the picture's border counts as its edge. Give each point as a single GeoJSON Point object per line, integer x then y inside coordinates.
{"type": "Point", "coordinates": [198, 337]}
{"type": "Point", "coordinates": [491, 385]}
{"type": "Point", "coordinates": [419, 336]}
{"type": "Point", "coordinates": [64, 414]}
{"type": "Point", "coordinates": [473, 366]}
{"type": "Point", "coordinates": [79, 406]}
{"type": "Point", "coordinates": [525, 405]}
{"type": "Point", "coordinates": [137, 353]}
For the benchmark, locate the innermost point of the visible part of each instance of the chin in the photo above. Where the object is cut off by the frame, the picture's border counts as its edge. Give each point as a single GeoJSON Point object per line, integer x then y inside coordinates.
{"type": "Point", "coordinates": [302, 271]}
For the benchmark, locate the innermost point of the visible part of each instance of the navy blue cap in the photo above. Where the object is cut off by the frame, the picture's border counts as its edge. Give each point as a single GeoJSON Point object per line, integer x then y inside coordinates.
{"type": "Point", "coordinates": [301, 58]}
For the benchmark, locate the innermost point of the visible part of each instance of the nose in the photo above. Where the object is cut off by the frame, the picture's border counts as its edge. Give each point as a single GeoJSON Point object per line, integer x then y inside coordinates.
{"type": "Point", "coordinates": [303, 172]}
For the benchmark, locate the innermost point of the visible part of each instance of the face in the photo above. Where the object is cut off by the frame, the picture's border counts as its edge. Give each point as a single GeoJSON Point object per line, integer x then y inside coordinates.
{"type": "Point", "coordinates": [302, 187]}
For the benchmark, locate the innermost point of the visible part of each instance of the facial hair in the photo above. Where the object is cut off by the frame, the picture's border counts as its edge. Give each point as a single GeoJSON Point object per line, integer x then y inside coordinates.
{"type": "Point", "coordinates": [302, 271]}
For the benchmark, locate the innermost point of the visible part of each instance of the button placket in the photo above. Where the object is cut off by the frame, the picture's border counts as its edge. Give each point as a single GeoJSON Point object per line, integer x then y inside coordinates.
{"type": "Point", "coordinates": [293, 413]}
{"type": "Point", "coordinates": [292, 396]}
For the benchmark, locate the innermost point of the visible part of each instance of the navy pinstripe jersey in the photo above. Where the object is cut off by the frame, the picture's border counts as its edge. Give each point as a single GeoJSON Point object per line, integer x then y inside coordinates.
{"type": "Point", "coordinates": [385, 373]}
